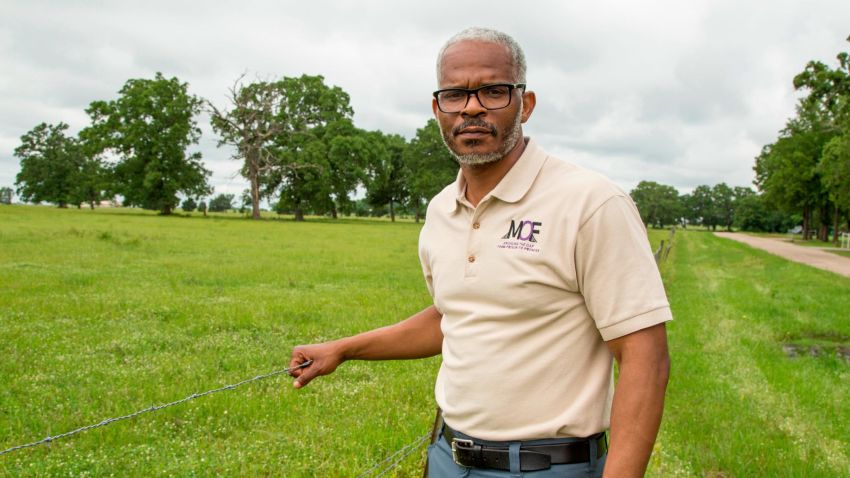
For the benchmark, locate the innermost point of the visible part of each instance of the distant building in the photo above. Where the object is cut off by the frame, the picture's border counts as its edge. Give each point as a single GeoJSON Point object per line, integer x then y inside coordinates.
{"type": "Point", "coordinates": [114, 202]}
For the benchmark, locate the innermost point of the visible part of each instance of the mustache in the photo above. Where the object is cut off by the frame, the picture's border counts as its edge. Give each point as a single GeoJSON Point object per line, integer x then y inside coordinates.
{"type": "Point", "coordinates": [474, 122]}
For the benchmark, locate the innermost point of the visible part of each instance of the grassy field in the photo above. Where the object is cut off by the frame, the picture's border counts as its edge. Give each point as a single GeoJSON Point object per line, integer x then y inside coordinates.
{"type": "Point", "coordinates": [738, 404]}
{"type": "Point", "coordinates": [107, 312]}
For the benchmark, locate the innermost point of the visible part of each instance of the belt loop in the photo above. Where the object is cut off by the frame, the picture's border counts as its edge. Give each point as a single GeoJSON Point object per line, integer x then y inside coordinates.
{"type": "Point", "coordinates": [513, 456]}
{"type": "Point", "coordinates": [594, 451]}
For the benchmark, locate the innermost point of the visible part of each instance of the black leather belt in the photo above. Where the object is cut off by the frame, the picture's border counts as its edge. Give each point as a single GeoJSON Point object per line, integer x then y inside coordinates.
{"type": "Point", "coordinates": [531, 457]}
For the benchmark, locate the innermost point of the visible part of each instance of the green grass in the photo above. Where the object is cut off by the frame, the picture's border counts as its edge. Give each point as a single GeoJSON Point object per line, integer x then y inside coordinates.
{"type": "Point", "coordinates": [107, 312]}
{"type": "Point", "coordinates": [736, 404]}
{"type": "Point", "coordinates": [235, 214]}
{"type": "Point", "coordinates": [813, 243]}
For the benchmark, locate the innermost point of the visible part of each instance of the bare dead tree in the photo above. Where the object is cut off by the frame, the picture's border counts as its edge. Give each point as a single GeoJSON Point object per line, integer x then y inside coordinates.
{"type": "Point", "coordinates": [250, 125]}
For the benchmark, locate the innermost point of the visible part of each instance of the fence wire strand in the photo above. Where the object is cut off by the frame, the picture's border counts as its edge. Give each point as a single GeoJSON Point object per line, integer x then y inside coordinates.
{"type": "Point", "coordinates": [154, 408]}
{"type": "Point", "coordinates": [383, 467]}
{"type": "Point", "coordinates": [403, 452]}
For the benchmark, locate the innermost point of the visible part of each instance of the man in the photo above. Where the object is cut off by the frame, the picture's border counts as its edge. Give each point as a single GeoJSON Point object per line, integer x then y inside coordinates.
{"type": "Point", "coordinates": [541, 273]}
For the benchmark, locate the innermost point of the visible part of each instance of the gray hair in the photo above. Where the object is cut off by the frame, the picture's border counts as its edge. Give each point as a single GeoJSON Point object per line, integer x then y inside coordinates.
{"type": "Point", "coordinates": [488, 35]}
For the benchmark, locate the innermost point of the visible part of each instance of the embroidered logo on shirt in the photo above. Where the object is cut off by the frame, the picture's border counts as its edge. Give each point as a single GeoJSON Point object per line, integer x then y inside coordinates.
{"type": "Point", "coordinates": [522, 235]}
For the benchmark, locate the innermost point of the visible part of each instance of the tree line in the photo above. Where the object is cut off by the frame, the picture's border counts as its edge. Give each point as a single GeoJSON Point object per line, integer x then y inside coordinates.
{"type": "Point", "coordinates": [709, 206]}
{"type": "Point", "coordinates": [300, 150]}
{"type": "Point", "coordinates": [295, 139]}
{"type": "Point", "coordinates": [803, 177]}
{"type": "Point", "coordinates": [806, 171]}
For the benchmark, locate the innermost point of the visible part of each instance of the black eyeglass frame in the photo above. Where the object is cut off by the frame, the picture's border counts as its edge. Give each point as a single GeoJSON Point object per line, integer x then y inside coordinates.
{"type": "Point", "coordinates": [474, 91]}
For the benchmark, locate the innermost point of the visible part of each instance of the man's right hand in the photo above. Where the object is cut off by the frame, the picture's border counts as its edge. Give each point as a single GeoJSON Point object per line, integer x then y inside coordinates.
{"type": "Point", "coordinates": [326, 358]}
{"type": "Point", "coordinates": [418, 336]}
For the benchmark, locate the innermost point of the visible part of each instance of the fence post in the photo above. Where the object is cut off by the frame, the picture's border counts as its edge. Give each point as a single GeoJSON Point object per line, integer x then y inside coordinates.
{"type": "Point", "coordinates": [658, 253]}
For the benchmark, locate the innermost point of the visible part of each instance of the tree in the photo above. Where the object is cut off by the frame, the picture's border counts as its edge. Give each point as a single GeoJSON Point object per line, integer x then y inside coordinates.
{"type": "Point", "coordinates": [702, 206]}
{"type": "Point", "coordinates": [828, 99]}
{"type": "Point", "coordinates": [429, 164]}
{"type": "Point", "coordinates": [59, 169]}
{"type": "Point", "coordinates": [5, 195]}
{"type": "Point", "coordinates": [752, 213]}
{"type": "Point", "coordinates": [658, 204]}
{"type": "Point", "coordinates": [834, 168]}
{"type": "Point", "coordinates": [349, 153]}
{"type": "Point", "coordinates": [189, 205]}
{"type": "Point", "coordinates": [50, 164]}
{"type": "Point", "coordinates": [828, 91]}
{"type": "Point", "coordinates": [202, 206]}
{"type": "Point", "coordinates": [385, 174]}
{"type": "Point", "coordinates": [307, 170]}
{"type": "Point", "coordinates": [741, 192]}
{"type": "Point", "coordinates": [788, 171]}
{"type": "Point", "coordinates": [301, 181]}
{"type": "Point", "coordinates": [251, 126]}
{"type": "Point", "coordinates": [94, 179]}
{"type": "Point", "coordinates": [723, 199]}
{"type": "Point", "coordinates": [686, 207]}
{"type": "Point", "coordinates": [149, 127]}
{"type": "Point", "coordinates": [222, 203]}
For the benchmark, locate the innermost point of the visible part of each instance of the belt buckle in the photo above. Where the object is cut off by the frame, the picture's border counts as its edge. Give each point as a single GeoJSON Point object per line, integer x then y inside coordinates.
{"type": "Point", "coordinates": [462, 442]}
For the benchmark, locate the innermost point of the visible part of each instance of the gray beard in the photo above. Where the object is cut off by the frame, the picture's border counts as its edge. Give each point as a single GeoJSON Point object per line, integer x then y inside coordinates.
{"type": "Point", "coordinates": [477, 159]}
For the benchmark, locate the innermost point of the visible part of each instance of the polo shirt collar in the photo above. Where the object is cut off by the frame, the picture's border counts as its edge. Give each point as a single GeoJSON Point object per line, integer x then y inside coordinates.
{"type": "Point", "coordinates": [516, 182]}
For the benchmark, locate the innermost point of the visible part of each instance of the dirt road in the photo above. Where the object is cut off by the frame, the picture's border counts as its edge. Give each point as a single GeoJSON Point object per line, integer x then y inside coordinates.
{"type": "Point", "coordinates": [804, 255]}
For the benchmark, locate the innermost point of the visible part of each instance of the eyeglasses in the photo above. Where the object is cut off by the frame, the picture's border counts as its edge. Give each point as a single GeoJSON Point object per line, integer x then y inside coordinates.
{"type": "Point", "coordinates": [491, 97]}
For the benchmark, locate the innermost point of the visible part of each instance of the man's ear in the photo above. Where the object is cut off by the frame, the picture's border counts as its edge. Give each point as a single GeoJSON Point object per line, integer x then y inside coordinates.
{"type": "Point", "coordinates": [529, 99]}
{"type": "Point", "coordinates": [434, 106]}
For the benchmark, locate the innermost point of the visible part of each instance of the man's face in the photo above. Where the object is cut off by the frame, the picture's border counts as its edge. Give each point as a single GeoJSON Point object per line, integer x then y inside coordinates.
{"type": "Point", "coordinates": [476, 135]}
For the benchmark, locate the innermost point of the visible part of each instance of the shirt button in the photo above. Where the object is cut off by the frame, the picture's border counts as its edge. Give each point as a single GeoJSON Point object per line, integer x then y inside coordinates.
{"type": "Point", "coordinates": [471, 259]}
{"type": "Point", "coordinates": [476, 225]}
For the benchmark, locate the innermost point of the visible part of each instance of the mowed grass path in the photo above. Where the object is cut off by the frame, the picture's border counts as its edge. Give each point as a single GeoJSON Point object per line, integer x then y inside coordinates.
{"type": "Point", "coordinates": [737, 404]}
{"type": "Point", "coordinates": [104, 313]}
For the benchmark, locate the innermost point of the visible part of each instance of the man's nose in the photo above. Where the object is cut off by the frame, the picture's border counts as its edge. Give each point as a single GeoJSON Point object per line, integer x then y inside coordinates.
{"type": "Point", "coordinates": [473, 106]}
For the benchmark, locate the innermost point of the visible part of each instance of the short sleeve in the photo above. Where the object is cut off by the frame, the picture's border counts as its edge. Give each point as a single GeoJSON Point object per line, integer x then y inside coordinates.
{"type": "Point", "coordinates": [616, 271]}
{"type": "Point", "coordinates": [426, 271]}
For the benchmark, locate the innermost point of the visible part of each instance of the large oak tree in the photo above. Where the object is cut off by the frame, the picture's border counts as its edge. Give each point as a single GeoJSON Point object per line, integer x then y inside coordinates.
{"type": "Point", "coordinates": [149, 127]}
{"type": "Point", "coordinates": [310, 171]}
{"type": "Point", "coordinates": [804, 170]}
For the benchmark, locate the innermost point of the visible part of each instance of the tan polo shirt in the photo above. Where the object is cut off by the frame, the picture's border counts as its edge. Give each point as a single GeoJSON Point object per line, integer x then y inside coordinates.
{"type": "Point", "coordinates": [553, 262]}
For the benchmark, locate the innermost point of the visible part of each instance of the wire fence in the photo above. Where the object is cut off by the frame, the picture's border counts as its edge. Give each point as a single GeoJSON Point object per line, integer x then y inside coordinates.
{"type": "Point", "coordinates": [379, 469]}
{"type": "Point", "coordinates": [154, 408]}
{"type": "Point", "coordinates": [393, 461]}
{"type": "Point", "coordinates": [662, 252]}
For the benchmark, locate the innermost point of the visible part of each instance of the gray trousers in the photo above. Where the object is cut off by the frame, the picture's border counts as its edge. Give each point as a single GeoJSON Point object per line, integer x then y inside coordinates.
{"type": "Point", "coordinates": [441, 465]}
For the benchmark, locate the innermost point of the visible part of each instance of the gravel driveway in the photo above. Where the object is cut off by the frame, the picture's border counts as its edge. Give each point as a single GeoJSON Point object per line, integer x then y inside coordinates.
{"type": "Point", "coordinates": [804, 255]}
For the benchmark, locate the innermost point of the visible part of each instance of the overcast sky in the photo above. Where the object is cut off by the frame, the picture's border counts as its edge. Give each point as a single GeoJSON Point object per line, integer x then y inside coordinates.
{"type": "Point", "coordinates": [680, 92]}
